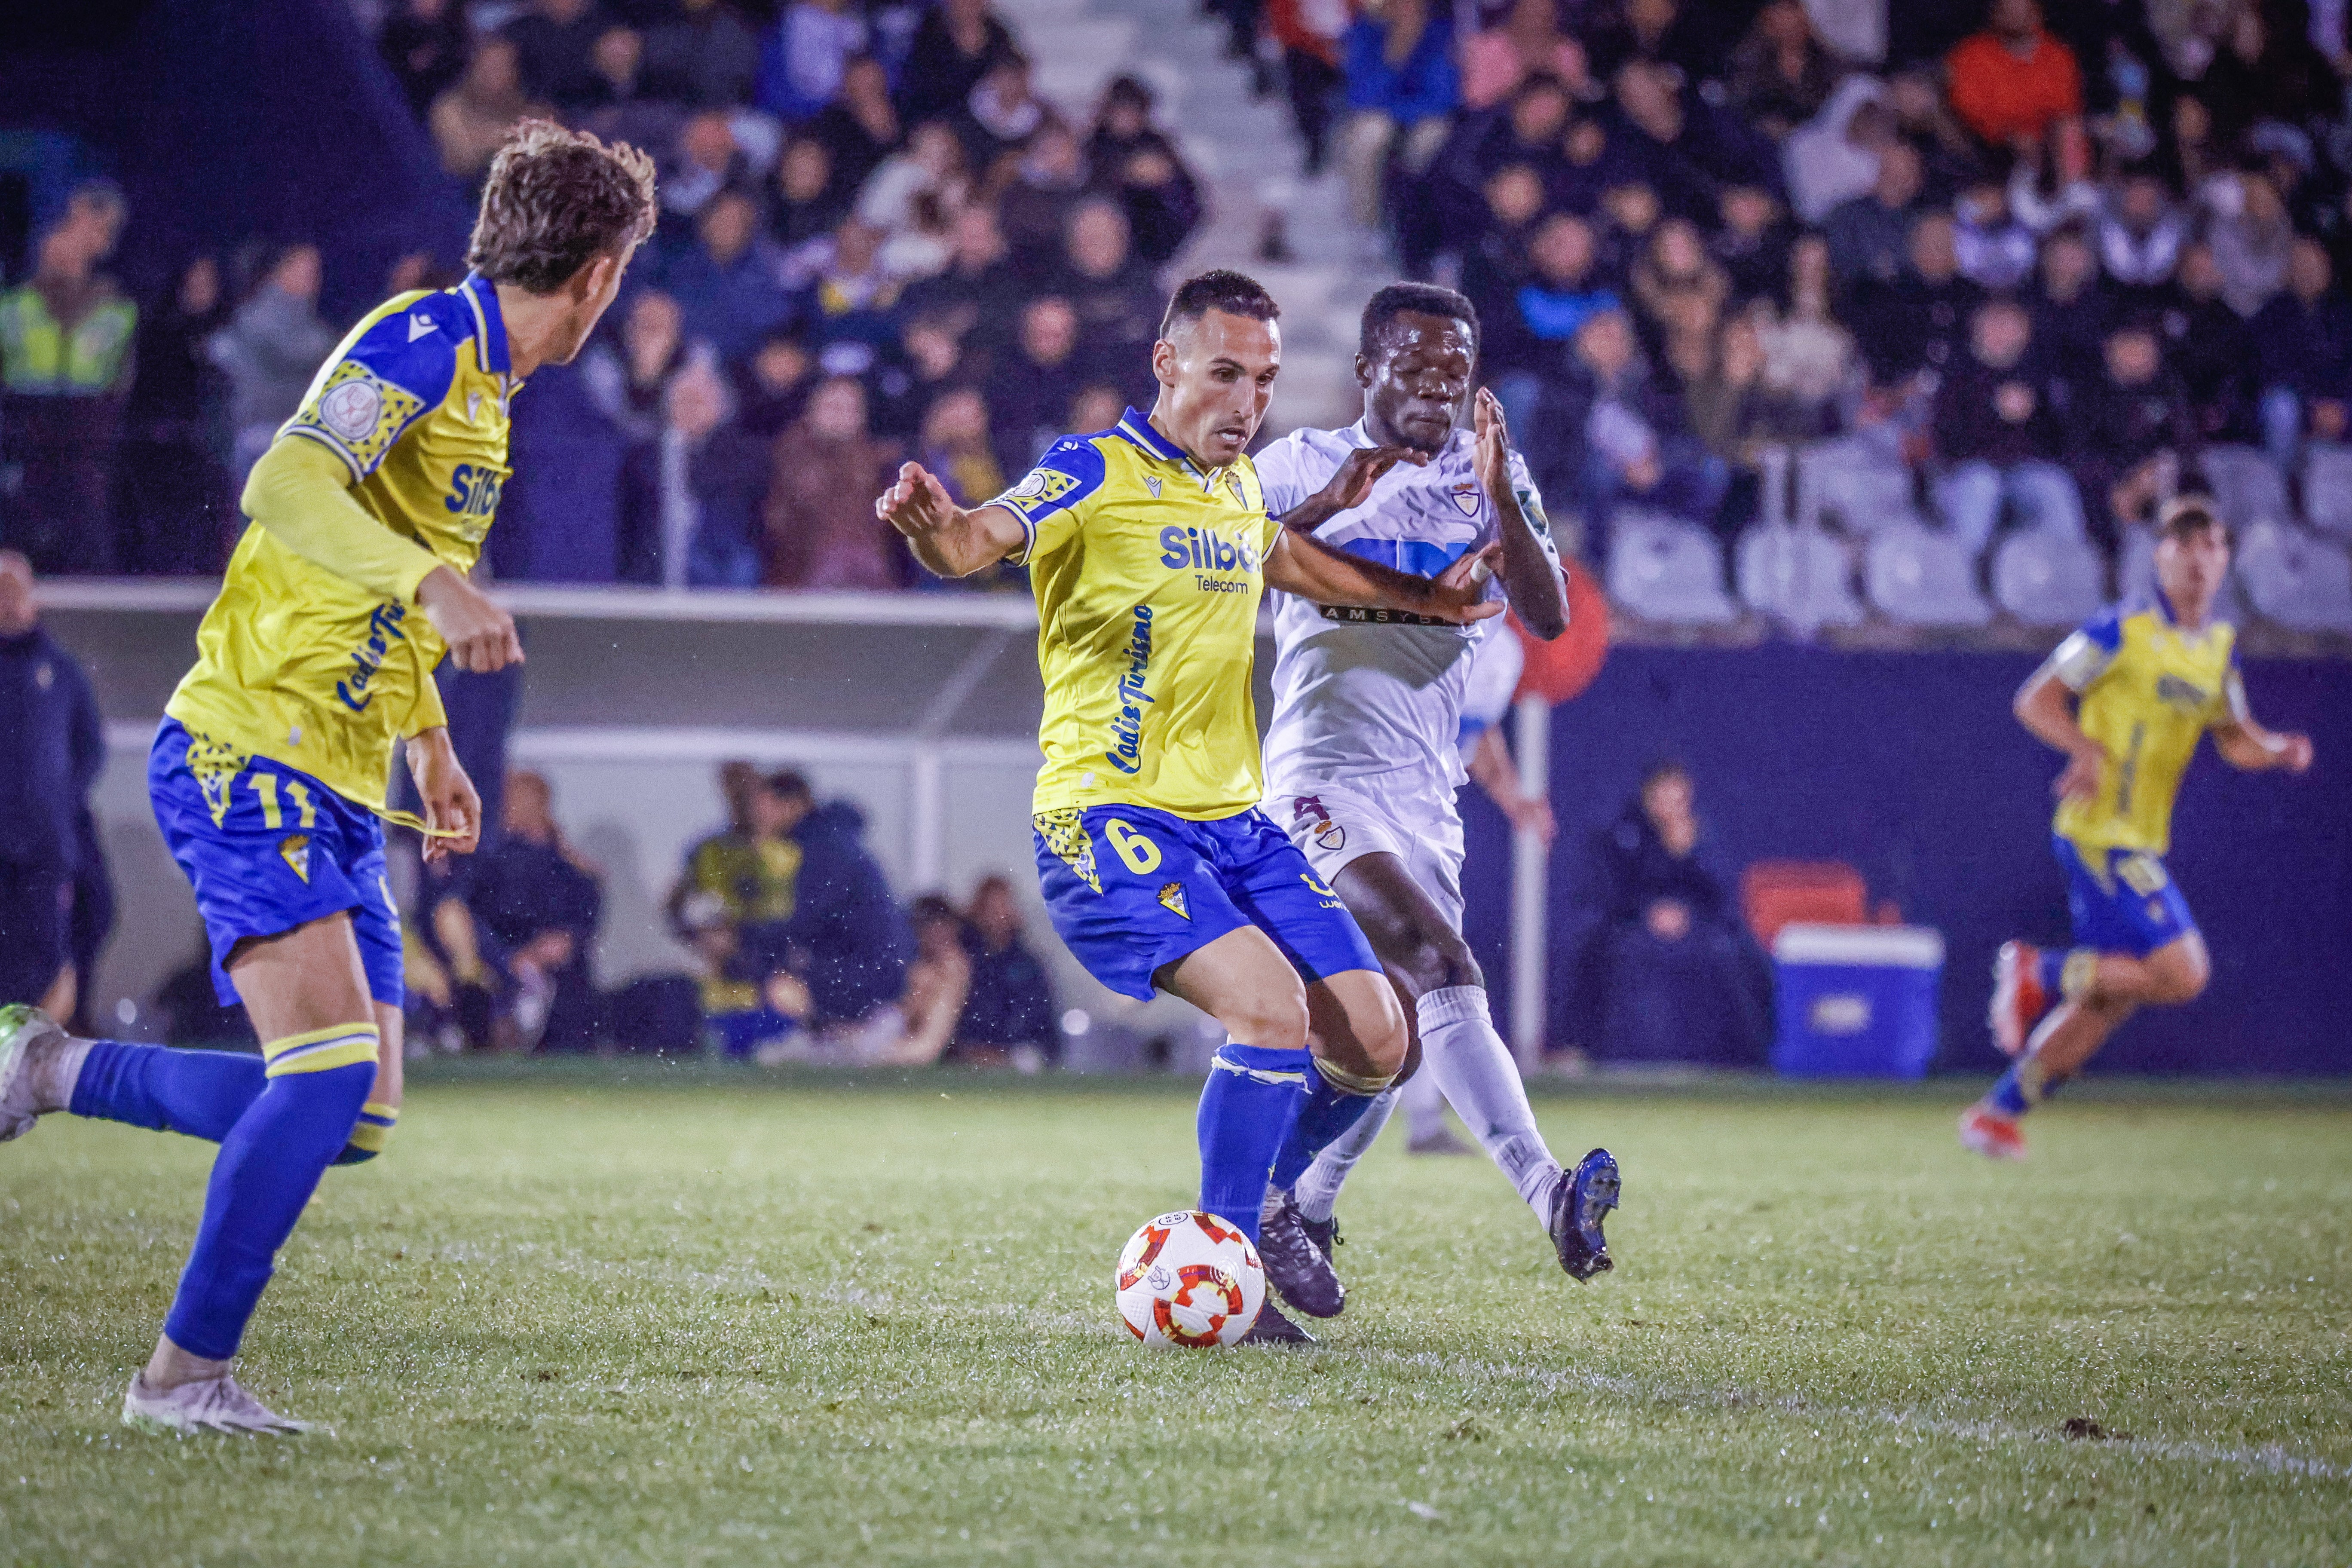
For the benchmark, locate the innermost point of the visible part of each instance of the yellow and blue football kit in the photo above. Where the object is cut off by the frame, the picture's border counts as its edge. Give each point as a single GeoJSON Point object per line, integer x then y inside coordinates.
{"type": "Point", "coordinates": [1147, 571]}
{"type": "Point", "coordinates": [269, 773]}
{"type": "Point", "coordinates": [2149, 690]}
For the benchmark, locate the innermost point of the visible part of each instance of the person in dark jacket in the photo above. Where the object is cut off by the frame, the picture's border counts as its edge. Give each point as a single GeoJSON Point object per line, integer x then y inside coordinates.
{"type": "Point", "coordinates": [50, 727]}
{"type": "Point", "coordinates": [2207, 344]}
{"type": "Point", "coordinates": [2303, 356]}
{"type": "Point", "coordinates": [1999, 435]}
{"type": "Point", "coordinates": [1008, 1015]}
{"type": "Point", "coordinates": [954, 47]}
{"type": "Point", "coordinates": [2131, 433]}
{"type": "Point", "coordinates": [425, 42]}
{"type": "Point", "coordinates": [1671, 975]}
{"type": "Point", "coordinates": [530, 904]}
{"type": "Point", "coordinates": [846, 937]}
{"type": "Point", "coordinates": [1133, 161]}
{"type": "Point", "coordinates": [175, 512]}
{"type": "Point", "coordinates": [691, 495]}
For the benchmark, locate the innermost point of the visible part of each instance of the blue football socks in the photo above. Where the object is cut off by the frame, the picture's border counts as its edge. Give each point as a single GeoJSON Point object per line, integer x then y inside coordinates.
{"type": "Point", "coordinates": [199, 1093]}
{"type": "Point", "coordinates": [269, 1163]}
{"type": "Point", "coordinates": [2024, 1086]}
{"type": "Point", "coordinates": [1327, 1111]}
{"type": "Point", "coordinates": [1248, 1107]}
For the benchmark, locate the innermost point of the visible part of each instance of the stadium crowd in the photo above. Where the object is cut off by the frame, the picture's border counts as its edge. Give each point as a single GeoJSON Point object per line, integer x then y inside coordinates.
{"type": "Point", "coordinates": [2036, 274]}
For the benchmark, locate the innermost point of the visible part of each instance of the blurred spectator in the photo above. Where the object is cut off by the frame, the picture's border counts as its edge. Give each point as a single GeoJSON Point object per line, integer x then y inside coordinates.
{"type": "Point", "coordinates": [1678, 147]}
{"type": "Point", "coordinates": [902, 389]}
{"type": "Point", "coordinates": [1001, 113]}
{"type": "Point", "coordinates": [2303, 356]}
{"type": "Point", "coordinates": [1529, 335]}
{"type": "Point", "coordinates": [555, 50]}
{"type": "Point", "coordinates": [1112, 292]}
{"type": "Point", "coordinates": [750, 1010]}
{"type": "Point", "coordinates": [1494, 265]}
{"type": "Point", "coordinates": [1869, 235]}
{"type": "Point", "coordinates": [1033, 210]}
{"type": "Point", "coordinates": [1833, 157]}
{"type": "Point", "coordinates": [425, 42]}
{"type": "Point", "coordinates": [1402, 87]}
{"type": "Point", "coordinates": [1752, 245]}
{"type": "Point", "coordinates": [821, 528]}
{"type": "Point", "coordinates": [1782, 74]}
{"type": "Point", "coordinates": [616, 66]}
{"type": "Point", "coordinates": [977, 297]}
{"type": "Point", "coordinates": [938, 980]}
{"type": "Point", "coordinates": [2062, 199]}
{"type": "Point", "coordinates": [1998, 435]}
{"type": "Point", "coordinates": [861, 126]}
{"type": "Point", "coordinates": [806, 202]}
{"type": "Point", "coordinates": [1660, 33]}
{"type": "Point", "coordinates": [1917, 322]}
{"type": "Point", "coordinates": [2014, 84]}
{"type": "Point", "coordinates": [1810, 359]}
{"type": "Point", "coordinates": [469, 121]}
{"type": "Point", "coordinates": [2130, 435]}
{"type": "Point", "coordinates": [847, 936]}
{"type": "Point", "coordinates": [912, 199]}
{"type": "Point", "coordinates": [65, 339]}
{"type": "Point", "coordinates": [174, 512]}
{"type": "Point", "coordinates": [954, 445]}
{"type": "Point", "coordinates": [2267, 69]}
{"type": "Point", "coordinates": [1528, 42]}
{"type": "Point", "coordinates": [708, 161]}
{"type": "Point", "coordinates": [1009, 1017]}
{"type": "Point", "coordinates": [729, 287]}
{"type": "Point", "coordinates": [1452, 203]}
{"type": "Point", "coordinates": [2208, 344]}
{"type": "Point", "coordinates": [745, 877]}
{"type": "Point", "coordinates": [1678, 288]}
{"type": "Point", "coordinates": [522, 913]}
{"type": "Point", "coordinates": [272, 346]}
{"type": "Point", "coordinates": [953, 49]}
{"type": "Point", "coordinates": [1308, 33]}
{"type": "Point", "coordinates": [772, 387]}
{"type": "Point", "coordinates": [1995, 251]}
{"type": "Point", "coordinates": [1131, 159]}
{"type": "Point", "coordinates": [805, 55]}
{"type": "Point", "coordinates": [2140, 237]}
{"type": "Point", "coordinates": [1671, 975]}
{"type": "Point", "coordinates": [1618, 435]}
{"type": "Point", "coordinates": [1034, 383]}
{"type": "Point", "coordinates": [2071, 311]}
{"type": "Point", "coordinates": [628, 377]}
{"type": "Point", "coordinates": [857, 297]}
{"type": "Point", "coordinates": [2249, 236]}
{"type": "Point", "coordinates": [50, 723]}
{"type": "Point", "coordinates": [1737, 411]}
{"type": "Point", "coordinates": [704, 56]}
{"type": "Point", "coordinates": [691, 495]}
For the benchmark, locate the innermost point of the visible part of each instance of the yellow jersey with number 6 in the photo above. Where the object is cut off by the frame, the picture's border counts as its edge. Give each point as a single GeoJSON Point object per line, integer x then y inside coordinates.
{"type": "Point", "coordinates": [302, 665]}
{"type": "Point", "coordinates": [1147, 571]}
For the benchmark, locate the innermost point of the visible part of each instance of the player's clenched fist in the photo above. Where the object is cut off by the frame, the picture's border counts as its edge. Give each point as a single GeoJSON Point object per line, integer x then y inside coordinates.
{"type": "Point", "coordinates": [481, 637]}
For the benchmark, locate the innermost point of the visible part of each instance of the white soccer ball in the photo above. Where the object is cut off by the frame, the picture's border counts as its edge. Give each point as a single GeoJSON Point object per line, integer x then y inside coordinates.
{"type": "Point", "coordinates": [1189, 1279]}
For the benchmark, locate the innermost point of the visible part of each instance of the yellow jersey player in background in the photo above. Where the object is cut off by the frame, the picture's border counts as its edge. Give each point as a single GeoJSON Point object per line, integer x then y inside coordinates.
{"type": "Point", "coordinates": [268, 774]}
{"type": "Point", "coordinates": [1150, 546]}
{"type": "Point", "coordinates": [2126, 698]}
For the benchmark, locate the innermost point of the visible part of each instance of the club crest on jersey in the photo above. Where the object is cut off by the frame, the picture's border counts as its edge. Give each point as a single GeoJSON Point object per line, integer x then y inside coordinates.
{"type": "Point", "coordinates": [1466, 496]}
{"type": "Point", "coordinates": [1308, 809]}
{"type": "Point", "coordinates": [1036, 488]}
{"type": "Point", "coordinates": [295, 850]}
{"type": "Point", "coordinates": [1171, 898]}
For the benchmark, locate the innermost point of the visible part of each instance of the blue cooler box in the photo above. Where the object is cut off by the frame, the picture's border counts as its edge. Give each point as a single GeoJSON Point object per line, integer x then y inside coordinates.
{"type": "Point", "coordinates": [1856, 1001]}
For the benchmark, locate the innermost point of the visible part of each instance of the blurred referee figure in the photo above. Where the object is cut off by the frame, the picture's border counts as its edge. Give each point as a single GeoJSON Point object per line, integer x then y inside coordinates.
{"type": "Point", "coordinates": [56, 744]}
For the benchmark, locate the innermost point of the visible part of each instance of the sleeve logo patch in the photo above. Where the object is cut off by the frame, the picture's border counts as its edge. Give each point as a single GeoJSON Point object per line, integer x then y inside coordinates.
{"type": "Point", "coordinates": [1041, 487]}
{"type": "Point", "coordinates": [363, 412]}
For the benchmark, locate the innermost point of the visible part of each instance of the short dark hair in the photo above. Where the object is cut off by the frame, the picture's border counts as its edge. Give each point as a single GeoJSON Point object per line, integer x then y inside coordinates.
{"type": "Point", "coordinates": [1383, 308]}
{"type": "Point", "coordinates": [789, 783]}
{"type": "Point", "coordinates": [554, 202]}
{"type": "Point", "coordinates": [1234, 293]}
{"type": "Point", "coordinates": [2186, 514]}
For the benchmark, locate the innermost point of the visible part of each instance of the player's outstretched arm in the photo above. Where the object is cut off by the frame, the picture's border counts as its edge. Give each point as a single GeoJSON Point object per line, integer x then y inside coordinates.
{"type": "Point", "coordinates": [1529, 575]}
{"type": "Point", "coordinates": [2045, 705]}
{"type": "Point", "coordinates": [1298, 564]}
{"type": "Point", "coordinates": [1350, 487]}
{"type": "Point", "coordinates": [1493, 770]}
{"type": "Point", "coordinates": [300, 492]}
{"type": "Point", "coordinates": [945, 537]}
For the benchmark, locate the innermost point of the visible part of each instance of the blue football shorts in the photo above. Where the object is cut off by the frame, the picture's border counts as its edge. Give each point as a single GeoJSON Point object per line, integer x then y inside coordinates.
{"type": "Point", "coordinates": [1132, 891]}
{"type": "Point", "coordinates": [267, 849]}
{"type": "Point", "coordinates": [2122, 900]}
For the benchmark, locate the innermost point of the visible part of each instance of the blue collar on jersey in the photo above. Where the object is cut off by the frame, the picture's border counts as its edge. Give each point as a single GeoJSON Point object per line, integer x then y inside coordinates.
{"type": "Point", "coordinates": [489, 327]}
{"type": "Point", "coordinates": [1137, 428]}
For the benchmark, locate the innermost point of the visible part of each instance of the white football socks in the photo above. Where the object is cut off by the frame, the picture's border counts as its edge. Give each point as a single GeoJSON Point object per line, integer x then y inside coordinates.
{"type": "Point", "coordinates": [1424, 1107]}
{"type": "Point", "coordinates": [1467, 1059]}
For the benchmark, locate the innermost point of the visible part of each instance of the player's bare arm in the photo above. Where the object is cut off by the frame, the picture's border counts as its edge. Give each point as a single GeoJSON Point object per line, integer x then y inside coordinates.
{"type": "Point", "coordinates": [1491, 769]}
{"type": "Point", "coordinates": [1530, 578]}
{"type": "Point", "coordinates": [2046, 706]}
{"type": "Point", "coordinates": [949, 540]}
{"type": "Point", "coordinates": [453, 808]}
{"type": "Point", "coordinates": [1350, 487]}
{"type": "Point", "coordinates": [1298, 564]}
{"type": "Point", "coordinates": [2248, 745]}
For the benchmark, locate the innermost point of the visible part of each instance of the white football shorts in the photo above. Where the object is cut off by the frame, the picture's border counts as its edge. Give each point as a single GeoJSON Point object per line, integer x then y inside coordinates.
{"type": "Point", "coordinates": [1335, 824]}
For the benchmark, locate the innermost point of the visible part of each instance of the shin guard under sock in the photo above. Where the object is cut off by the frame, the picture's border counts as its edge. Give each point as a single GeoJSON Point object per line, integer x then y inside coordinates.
{"type": "Point", "coordinates": [1247, 1105]}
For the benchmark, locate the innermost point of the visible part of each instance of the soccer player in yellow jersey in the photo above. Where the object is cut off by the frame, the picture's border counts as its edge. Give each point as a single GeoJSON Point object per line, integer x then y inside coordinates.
{"type": "Point", "coordinates": [2126, 698]}
{"type": "Point", "coordinates": [1148, 545]}
{"type": "Point", "coordinates": [267, 776]}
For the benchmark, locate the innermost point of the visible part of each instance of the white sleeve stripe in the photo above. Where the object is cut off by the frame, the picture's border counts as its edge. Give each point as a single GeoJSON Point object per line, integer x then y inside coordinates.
{"type": "Point", "coordinates": [2078, 661]}
{"type": "Point", "coordinates": [327, 439]}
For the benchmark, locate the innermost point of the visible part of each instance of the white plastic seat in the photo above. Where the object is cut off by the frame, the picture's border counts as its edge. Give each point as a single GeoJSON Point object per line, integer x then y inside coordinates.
{"type": "Point", "coordinates": [2296, 579]}
{"type": "Point", "coordinates": [2247, 485]}
{"type": "Point", "coordinates": [1661, 569]}
{"type": "Point", "coordinates": [1800, 576]}
{"type": "Point", "coordinates": [2047, 579]}
{"type": "Point", "coordinates": [1920, 577]}
{"type": "Point", "coordinates": [1838, 480]}
{"type": "Point", "coordinates": [2327, 488]}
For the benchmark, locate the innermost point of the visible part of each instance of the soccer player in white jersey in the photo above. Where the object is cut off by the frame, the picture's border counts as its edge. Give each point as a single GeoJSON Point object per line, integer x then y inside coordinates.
{"type": "Point", "coordinates": [1364, 755]}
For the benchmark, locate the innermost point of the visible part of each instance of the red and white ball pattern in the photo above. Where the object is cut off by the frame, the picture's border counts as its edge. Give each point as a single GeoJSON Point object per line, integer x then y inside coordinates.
{"type": "Point", "coordinates": [1189, 1279]}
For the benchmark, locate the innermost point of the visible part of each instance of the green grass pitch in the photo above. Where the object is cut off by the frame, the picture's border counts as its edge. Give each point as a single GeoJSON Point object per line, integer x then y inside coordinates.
{"type": "Point", "coordinates": [576, 1319]}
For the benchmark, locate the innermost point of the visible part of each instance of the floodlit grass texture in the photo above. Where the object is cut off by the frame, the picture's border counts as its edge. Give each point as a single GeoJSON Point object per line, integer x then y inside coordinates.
{"type": "Point", "coordinates": [582, 1320]}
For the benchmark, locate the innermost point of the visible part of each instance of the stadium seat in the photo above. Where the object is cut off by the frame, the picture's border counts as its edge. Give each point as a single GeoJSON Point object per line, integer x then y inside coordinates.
{"type": "Point", "coordinates": [1661, 569]}
{"type": "Point", "coordinates": [2047, 579]}
{"type": "Point", "coordinates": [1837, 481]}
{"type": "Point", "coordinates": [2327, 488]}
{"type": "Point", "coordinates": [2302, 582]}
{"type": "Point", "coordinates": [1800, 576]}
{"type": "Point", "coordinates": [1919, 577]}
{"type": "Point", "coordinates": [2246, 485]}
{"type": "Point", "coordinates": [1774, 893]}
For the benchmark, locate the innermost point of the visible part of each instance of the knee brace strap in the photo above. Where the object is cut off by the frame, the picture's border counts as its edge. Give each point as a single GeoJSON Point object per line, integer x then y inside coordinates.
{"type": "Point", "coordinates": [1347, 1082]}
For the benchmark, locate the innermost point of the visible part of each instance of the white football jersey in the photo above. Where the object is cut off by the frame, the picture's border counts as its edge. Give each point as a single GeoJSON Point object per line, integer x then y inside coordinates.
{"type": "Point", "coordinates": [1370, 696]}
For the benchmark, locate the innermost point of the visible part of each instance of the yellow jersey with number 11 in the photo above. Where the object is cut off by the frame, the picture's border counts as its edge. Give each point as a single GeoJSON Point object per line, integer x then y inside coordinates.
{"type": "Point", "coordinates": [1148, 570]}
{"type": "Point", "coordinates": [298, 665]}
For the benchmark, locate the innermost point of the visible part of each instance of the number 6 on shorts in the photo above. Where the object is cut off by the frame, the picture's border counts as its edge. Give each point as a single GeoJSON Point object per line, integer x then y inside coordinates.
{"type": "Point", "coordinates": [1141, 855]}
